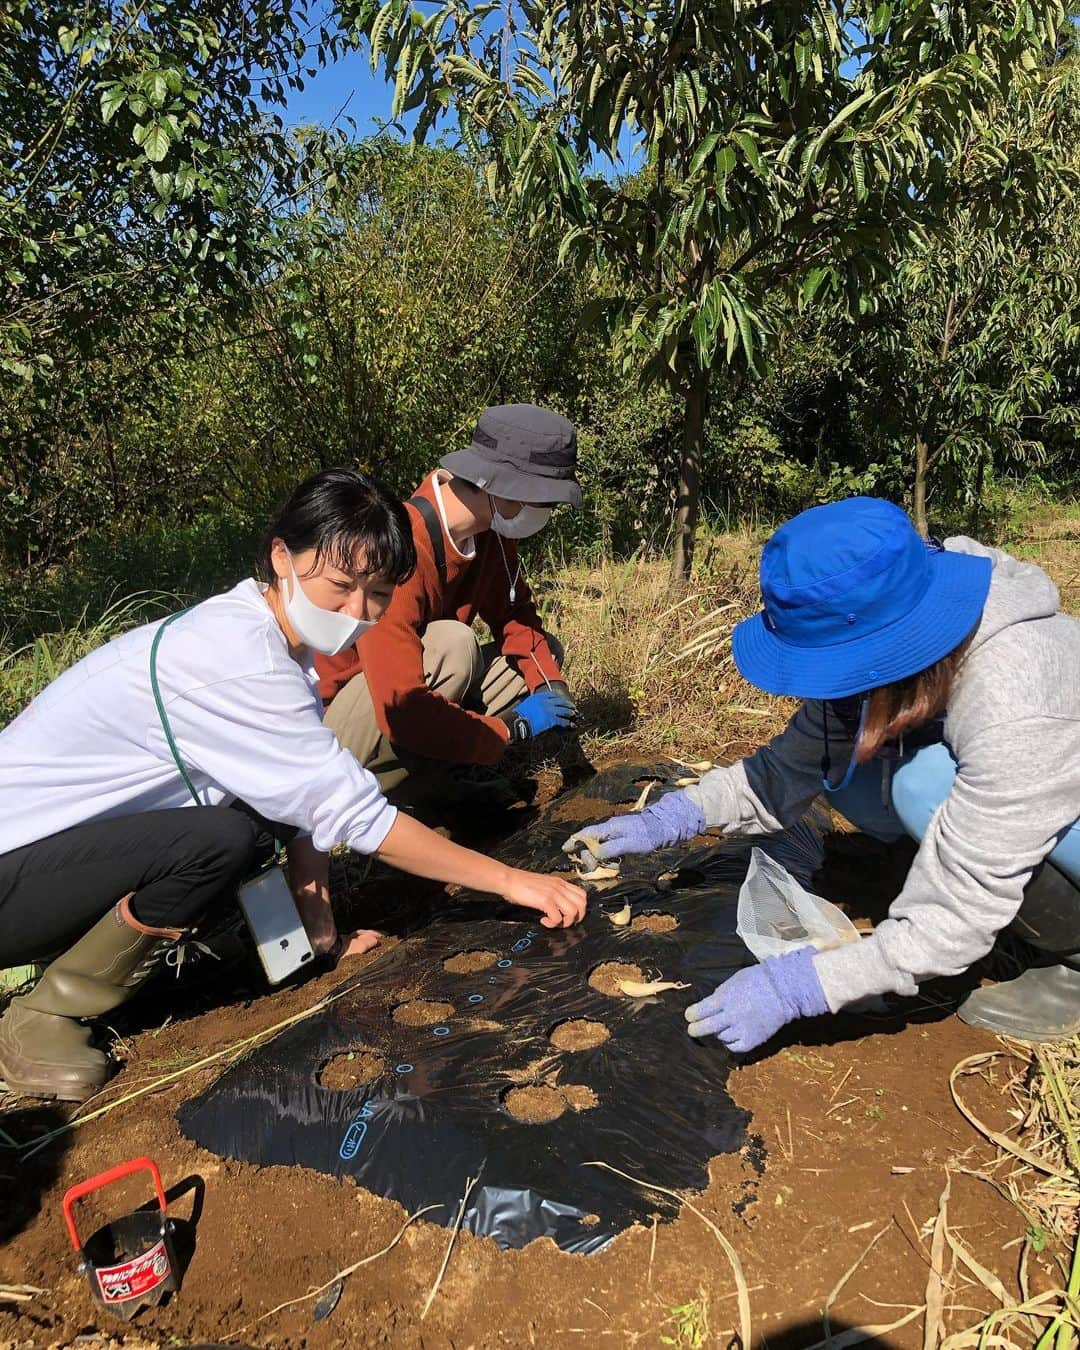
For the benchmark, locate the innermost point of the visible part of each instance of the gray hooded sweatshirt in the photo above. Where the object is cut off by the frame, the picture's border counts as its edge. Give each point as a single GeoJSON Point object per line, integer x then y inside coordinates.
{"type": "Point", "coordinates": [1013, 727]}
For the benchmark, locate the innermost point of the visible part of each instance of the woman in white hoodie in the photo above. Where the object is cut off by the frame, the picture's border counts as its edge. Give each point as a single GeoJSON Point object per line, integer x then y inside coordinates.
{"type": "Point", "coordinates": [145, 783]}
{"type": "Point", "coordinates": [942, 699]}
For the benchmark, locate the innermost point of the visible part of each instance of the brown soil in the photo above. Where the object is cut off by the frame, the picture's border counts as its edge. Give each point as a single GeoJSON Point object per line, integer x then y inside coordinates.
{"type": "Point", "coordinates": [605, 979]}
{"type": "Point", "coordinates": [535, 1104]}
{"type": "Point", "coordinates": [839, 1106]}
{"type": "Point", "coordinates": [654, 923]}
{"type": "Point", "coordinates": [580, 1034]}
{"type": "Point", "coordinates": [578, 1097]}
{"type": "Point", "coordinates": [468, 963]}
{"type": "Point", "coordinates": [351, 1069]}
{"type": "Point", "coordinates": [422, 1012]}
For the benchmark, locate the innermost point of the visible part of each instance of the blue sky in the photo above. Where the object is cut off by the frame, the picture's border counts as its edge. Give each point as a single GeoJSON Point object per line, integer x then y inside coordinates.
{"type": "Point", "coordinates": [348, 80]}
{"type": "Point", "coordinates": [350, 84]}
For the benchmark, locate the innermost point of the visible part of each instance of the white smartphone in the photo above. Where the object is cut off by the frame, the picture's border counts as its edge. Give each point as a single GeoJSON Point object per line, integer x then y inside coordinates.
{"type": "Point", "coordinates": [272, 918]}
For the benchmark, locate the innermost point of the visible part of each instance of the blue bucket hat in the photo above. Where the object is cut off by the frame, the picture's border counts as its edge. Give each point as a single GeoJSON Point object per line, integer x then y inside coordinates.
{"type": "Point", "coordinates": [855, 598]}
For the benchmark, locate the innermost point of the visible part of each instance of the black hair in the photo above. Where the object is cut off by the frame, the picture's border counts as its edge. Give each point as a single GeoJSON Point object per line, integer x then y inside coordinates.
{"type": "Point", "coordinates": [340, 513]}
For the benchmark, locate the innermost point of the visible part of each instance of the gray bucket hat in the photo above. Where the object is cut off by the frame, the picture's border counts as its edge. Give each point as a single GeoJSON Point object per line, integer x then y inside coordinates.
{"type": "Point", "coordinates": [523, 453]}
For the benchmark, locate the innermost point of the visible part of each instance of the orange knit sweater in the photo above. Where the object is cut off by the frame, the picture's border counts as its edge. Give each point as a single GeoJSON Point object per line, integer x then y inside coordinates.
{"type": "Point", "coordinates": [392, 659]}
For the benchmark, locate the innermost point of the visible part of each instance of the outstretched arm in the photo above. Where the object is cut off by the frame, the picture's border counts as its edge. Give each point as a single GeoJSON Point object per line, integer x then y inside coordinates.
{"type": "Point", "coordinates": [414, 848]}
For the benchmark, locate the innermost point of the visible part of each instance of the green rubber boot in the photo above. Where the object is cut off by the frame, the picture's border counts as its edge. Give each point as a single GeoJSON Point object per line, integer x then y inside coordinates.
{"type": "Point", "coordinates": [1042, 1004]}
{"type": "Point", "coordinates": [45, 1050]}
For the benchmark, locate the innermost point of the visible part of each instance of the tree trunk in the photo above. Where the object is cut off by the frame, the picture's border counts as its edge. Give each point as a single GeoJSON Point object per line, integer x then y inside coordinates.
{"type": "Point", "coordinates": [976, 505]}
{"type": "Point", "coordinates": [918, 502]}
{"type": "Point", "coordinates": [695, 406]}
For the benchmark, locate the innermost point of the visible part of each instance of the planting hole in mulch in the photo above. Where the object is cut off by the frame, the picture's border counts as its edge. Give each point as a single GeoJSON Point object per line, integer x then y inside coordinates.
{"type": "Point", "coordinates": [605, 979]}
{"type": "Point", "coordinates": [351, 1069]}
{"type": "Point", "coordinates": [468, 963]}
{"type": "Point", "coordinates": [580, 1033]}
{"type": "Point", "coordinates": [539, 1103]}
{"type": "Point", "coordinates": [535, 1104]}
{"type": "Point", "coordinates": [421, 1012]}
{"type": "Point", "coordinates": [579, 1097]}
{"type": "Point", "coordinates": [654, 923]}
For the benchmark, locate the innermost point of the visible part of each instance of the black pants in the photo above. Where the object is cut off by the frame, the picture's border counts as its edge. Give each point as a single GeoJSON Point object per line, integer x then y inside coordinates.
{"type": "Point", "coordinates": [176, 862]}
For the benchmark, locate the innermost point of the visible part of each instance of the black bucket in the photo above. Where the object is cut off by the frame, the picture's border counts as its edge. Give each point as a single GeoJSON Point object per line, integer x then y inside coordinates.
{"type": "Point", "coordinates": [130, 1262]}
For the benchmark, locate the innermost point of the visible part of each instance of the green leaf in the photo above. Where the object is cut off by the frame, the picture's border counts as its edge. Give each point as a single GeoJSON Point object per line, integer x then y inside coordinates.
{"type": "Point", "coordinates": [184, 180]}
{"type": "Point", "coordinates": [378, 31]}
{"type": "Point", "coordinates": [704, 150]}
{"type": "Point", "coordinates": [155, 87]}
{"type": "Point", "coordinates": [67, 38]}
{"type": "Point", "coordinates": [858, 172]}
{"type": "Point", "coordinates": [749, 147]}
{"type": "Point", "coordinates": [461, 65]}
{"type": "Point", "coordinates": [113, 97]}
{"type": "Point", "coordinates": [620, 103]}
{"type": "Point", "coordinates": [154, 141]}
{"type": "Point", "coordinates": [813, 281]}
{"type": "Point", "coordinates": [845, 114]}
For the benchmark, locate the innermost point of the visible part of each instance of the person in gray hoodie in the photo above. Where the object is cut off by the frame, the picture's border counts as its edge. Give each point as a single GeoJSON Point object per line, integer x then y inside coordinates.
{"type": "Point", "coordinates": [941, 688]}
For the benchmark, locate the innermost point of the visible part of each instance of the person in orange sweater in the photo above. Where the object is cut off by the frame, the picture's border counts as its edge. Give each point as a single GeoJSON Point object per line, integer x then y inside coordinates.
{"type": "Point", "coordinates": [417, 694]}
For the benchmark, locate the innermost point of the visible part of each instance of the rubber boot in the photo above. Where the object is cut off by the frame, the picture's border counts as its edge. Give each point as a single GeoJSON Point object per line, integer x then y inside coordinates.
{"type": "Point", "coordinates": [45, 1050]}
{"type": "Point", "coordinates": [1042, 1004]}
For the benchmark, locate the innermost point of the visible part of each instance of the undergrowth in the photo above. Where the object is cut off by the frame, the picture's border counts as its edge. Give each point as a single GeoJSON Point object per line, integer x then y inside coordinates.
{"type": "Point", "coordinates": [26, 670]}
{"type": "Point", "coordinates": [1037, 1169]}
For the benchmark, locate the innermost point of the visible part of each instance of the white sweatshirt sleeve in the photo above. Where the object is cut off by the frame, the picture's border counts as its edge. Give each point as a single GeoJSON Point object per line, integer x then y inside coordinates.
{"type": "Point", "coordinates": [259, 738]}
{"type": "Point", "coordinates": [774, 786]}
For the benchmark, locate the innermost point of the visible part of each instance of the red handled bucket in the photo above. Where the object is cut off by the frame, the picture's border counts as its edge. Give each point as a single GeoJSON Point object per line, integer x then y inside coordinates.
{"type": "Point", "coordinates": [129, 1262]}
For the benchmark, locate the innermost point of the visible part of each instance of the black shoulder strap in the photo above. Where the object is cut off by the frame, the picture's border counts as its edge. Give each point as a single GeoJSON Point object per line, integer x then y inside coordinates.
{"type": "Point", "coordinates": [434, 528]}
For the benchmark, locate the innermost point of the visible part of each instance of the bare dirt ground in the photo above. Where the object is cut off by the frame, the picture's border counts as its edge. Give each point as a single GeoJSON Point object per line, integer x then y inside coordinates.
{"type": "Point", "coordinates": [829, 1206]}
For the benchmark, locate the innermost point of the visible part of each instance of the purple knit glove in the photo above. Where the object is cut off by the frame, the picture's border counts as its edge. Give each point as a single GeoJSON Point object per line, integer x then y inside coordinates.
{"type": "Point", "coordinates": [669, 821]}
{"type": "Point", "coordinates": [755, 1003]}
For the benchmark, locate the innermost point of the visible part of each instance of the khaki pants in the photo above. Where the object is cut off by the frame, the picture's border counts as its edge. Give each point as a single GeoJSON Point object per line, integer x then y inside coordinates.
{"type": "Point", "coordinates": [455, 666]}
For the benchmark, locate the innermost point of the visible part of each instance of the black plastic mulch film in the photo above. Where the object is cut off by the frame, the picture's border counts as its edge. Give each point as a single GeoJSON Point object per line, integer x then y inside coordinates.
{"type": "Point", "coordinates": [437, 1114]}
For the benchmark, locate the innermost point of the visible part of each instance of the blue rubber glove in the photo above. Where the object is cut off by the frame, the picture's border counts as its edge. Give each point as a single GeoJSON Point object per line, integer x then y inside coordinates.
{"type": "Point", "coordinates": [755, 1003]}
{"type": "Point", "coordinates": [669, 821]}
{"type": "Point", "coordinates": [545, 710]}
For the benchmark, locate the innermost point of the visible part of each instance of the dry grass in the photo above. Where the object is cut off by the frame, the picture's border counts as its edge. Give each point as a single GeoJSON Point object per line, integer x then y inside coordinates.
{"type": "Point", "coordinates": [1037, 1168]}
{"type": "Point", "coordinates": [656, 671]}
{"type": "Point", "coordinates": [1050, 537]}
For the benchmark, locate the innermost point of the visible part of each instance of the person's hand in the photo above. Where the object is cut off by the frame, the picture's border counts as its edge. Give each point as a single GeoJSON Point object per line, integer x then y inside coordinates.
{"type": "Point", "coordinates": [755, 1003]}
{"type": "Point", "coordinates": [561, 903]}
{"type": "Point", "coordinates": [353, 944]}
{"type": "Point", "coordinates": [671, 820]}
{"type": "Point", "coordinates": [546, 710]}
{"type": "Point", "coordinates": [561, 688]}
{"type": "Point", "coordinates": [313, 906]}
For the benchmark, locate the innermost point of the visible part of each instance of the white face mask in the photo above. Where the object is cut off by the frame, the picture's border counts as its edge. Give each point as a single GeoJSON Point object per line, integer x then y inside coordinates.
{"type": "Point", "coordinates": [529, 520]}
{"type": "Point", "coordinates": [321, 629]}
